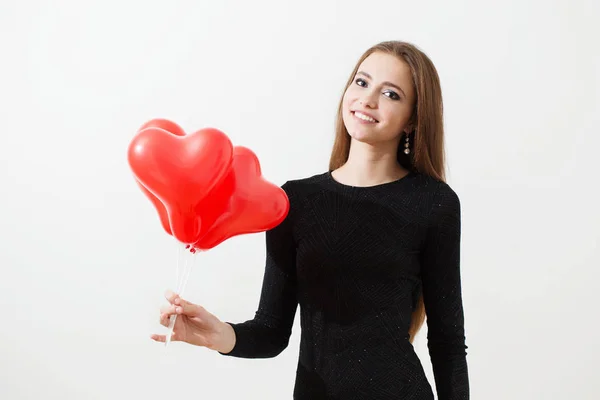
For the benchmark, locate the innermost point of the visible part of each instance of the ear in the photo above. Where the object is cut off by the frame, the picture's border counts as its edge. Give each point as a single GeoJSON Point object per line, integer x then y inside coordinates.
{"type": "Point", "coordinates": [411, 125]}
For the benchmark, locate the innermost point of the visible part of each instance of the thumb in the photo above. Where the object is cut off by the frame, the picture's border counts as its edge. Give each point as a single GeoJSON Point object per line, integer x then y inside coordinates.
{"type": "Point", "coordinates": [190, 309]}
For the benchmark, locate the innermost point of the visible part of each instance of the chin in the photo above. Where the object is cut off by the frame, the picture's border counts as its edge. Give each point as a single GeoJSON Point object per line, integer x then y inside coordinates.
{"type": "Point", "coordinates": [365, 133]}
{"type": "Point", "coordinates": [360, 135]}
{"type": "Point", "coordinates": [371, 136]}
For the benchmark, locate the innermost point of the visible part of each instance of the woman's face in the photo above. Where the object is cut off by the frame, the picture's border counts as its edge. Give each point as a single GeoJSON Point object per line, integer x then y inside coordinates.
{"type": "Point", "coordinates": [378, 104]}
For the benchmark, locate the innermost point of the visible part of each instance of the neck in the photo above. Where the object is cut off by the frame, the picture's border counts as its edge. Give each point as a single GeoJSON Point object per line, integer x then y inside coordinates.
{"type": "Point", "coordinates": [369, 165]}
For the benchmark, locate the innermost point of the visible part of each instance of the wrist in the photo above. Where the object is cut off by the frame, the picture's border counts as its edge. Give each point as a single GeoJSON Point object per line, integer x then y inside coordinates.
{"type": "Point", "coordinates": [225, 341]}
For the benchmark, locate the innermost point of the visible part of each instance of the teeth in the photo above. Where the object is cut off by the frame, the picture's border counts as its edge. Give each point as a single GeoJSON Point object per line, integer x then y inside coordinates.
{"type": "Point", "coordinates": [363, 117]}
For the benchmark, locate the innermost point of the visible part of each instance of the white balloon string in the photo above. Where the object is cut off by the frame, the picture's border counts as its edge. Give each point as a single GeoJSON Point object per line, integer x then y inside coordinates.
{"type": "Point", "coordinates": [183, 275]}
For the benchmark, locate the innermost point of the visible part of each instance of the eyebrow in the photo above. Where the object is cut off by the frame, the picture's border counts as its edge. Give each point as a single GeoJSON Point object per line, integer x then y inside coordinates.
{"type": "Point", "coordinates": [385, 83]}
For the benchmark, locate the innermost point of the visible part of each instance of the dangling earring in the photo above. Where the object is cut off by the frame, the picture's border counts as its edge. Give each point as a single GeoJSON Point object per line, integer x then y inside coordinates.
{"type": "Point", "coordinates": [406, 145]}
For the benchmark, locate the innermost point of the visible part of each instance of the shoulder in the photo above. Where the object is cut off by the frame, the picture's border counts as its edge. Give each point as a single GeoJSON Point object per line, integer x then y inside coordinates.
{"type": "Point", "coordinates": [444, 200]}
{"type": "Point", "coordinates": [299, 190]}
{"type": "Point", "coordinates": [304, 187]}
{"type": "Point", "coordinates": [438, 190]}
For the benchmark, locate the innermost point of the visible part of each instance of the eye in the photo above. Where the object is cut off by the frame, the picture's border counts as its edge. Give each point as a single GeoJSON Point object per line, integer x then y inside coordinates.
{"type": "Point", "coordinates": [392, 95]}
{"type": "Point", "coordinates": [361, 82]}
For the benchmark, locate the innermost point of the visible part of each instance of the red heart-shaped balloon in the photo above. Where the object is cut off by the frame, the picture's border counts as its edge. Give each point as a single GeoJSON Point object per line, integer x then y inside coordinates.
{"type": "Point", "coordinates": [216, 203]}
{"type": "Point", "coordinates": [256, 205]}
{"type": "Point", "coordinates": [181, 171]}
{"type": "Point", "coordinates": [177, 130]}
{"type": "Point", "coordinates": [163, 124]}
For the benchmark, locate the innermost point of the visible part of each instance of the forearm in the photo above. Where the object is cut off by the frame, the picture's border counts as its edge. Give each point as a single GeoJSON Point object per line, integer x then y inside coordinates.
{"type": "Point", "coordinates": [257, 338]}
{"type": "Point", "coordinates": [450, 372]}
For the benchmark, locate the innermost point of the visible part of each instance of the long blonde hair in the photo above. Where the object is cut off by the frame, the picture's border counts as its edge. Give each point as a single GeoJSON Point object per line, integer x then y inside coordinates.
{"type": "Point", "coordinates": [427, 155]}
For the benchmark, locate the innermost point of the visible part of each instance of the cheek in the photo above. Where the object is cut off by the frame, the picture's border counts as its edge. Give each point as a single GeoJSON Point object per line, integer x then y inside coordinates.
{"type": "Point", "coordinates": [346, 115]}
{"type": "Point", "coordinates": [395, 116]}
{"type": "Point", "coordinates": [394, 121]}
{"type": "Point", "coordinates": [346, 102]}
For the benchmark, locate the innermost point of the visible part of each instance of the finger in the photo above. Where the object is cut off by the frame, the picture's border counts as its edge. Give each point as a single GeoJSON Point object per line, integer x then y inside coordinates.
{"type": "Point", "coordinates": [168, 309]}
{"type": "Point", "coordinates": [163, 338]}
{"type": "Point", "coordinates": [171, 296]}
{"type": "Point", "coordinates": [165, 320]}
{"type": "Point", "coordinates": [158, 338]}
{"type": "Point", "coordinates": [191, 309]}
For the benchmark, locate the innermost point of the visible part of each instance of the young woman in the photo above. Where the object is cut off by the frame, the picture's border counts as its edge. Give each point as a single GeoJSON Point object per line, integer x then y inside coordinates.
{"type": "Point", "coordinates": [367, 250]}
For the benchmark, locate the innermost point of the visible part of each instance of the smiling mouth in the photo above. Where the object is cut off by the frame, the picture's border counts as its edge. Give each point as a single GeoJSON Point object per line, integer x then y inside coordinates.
{"type": "Point", "coordinates": [364, 117]}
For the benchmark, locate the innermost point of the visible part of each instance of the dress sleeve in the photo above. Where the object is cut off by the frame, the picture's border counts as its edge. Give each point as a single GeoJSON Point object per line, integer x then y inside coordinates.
{"type": "Point", "coordinates": [442, 297]}
{"type": "Point", "coordinates": [268, 334]}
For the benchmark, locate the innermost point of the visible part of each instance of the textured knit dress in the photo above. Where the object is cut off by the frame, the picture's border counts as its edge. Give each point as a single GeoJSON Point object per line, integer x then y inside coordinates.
{"type": "Point", "coordinates": [354, 260]}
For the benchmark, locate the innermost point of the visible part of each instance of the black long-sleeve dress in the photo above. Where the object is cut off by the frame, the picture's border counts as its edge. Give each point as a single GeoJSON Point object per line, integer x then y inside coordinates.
{"type": "Point", "coordinates": [356, 260]}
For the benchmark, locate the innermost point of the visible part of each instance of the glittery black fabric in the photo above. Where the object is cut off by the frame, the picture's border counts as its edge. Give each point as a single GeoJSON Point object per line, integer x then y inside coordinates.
{"type": "Point", "coordinates": [355, 259]}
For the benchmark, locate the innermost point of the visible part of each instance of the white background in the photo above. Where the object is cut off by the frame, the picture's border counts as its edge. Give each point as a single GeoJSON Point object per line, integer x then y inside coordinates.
{"type": "Point", "coordinates": [84, 262]}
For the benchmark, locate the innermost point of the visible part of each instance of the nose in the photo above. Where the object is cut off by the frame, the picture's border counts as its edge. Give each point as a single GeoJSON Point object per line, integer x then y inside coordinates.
{"type": "Point", "coordinates": [369, 99]}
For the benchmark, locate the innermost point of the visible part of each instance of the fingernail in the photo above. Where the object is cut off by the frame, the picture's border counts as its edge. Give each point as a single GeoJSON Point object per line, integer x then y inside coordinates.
{"type": "Point", "coordinates": [176, 300]}
{"type": "Point", "coordinates": [178, 309]}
